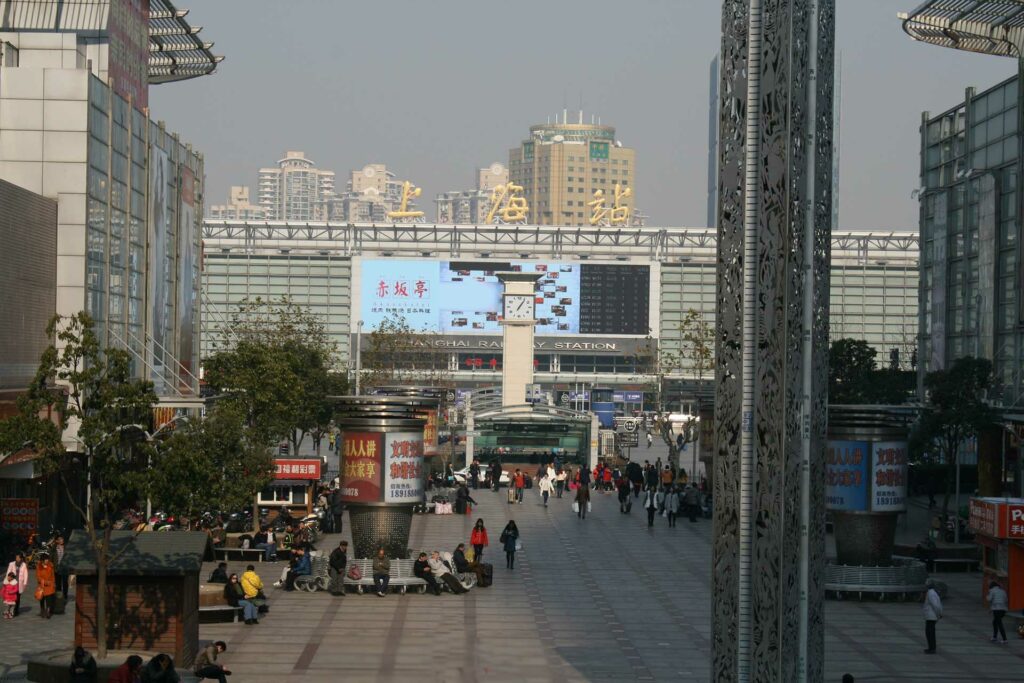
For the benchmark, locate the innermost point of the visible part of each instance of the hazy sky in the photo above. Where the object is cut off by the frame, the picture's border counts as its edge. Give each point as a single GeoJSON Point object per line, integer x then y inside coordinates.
{"type": "Point", "coordinates": [438, 89]}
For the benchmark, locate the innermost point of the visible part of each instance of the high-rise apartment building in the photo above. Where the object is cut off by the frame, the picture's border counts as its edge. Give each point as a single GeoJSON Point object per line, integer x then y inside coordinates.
{"type": "Point", "coordinates": [560, 168]}
{"type": "Point", "coordinates": [370, 193]}
{"type": "Point", "coordinates": [472, 206]}
{"type": "Point", "coordinates": [238, 208]}
{"type": "Point", "coordinates": [295, 190]}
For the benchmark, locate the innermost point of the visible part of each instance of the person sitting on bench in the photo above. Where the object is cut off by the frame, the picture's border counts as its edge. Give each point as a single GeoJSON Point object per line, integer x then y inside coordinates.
{"type": "Point", "coordinates": [220, 574]}
{"type": "Point", "coordinates": [266, 541]}
{"type": "Point", "coordinates": [441, 571]}
{"type": "Point", "coordinates": [422, 570]}
{"type": "Point", "coordinates": [464, 566]}
{"type": "Point", "coordinates": [381, 572]}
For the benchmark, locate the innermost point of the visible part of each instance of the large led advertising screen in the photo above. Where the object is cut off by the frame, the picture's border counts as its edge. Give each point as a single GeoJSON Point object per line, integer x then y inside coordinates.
{"type": "Point", "coordinates": [459, 297]}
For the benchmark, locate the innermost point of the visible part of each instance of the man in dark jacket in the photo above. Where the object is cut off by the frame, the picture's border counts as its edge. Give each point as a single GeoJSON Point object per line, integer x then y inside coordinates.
{"type": "Point", "coordinates": [495, 475]}
{"type": "Point", "coordinates": [421, 568]}
{"type": "Point", "coordinates": [464, 566]}
{"type": "Point", "coordinates": [474, 473]}
{"type": "Point", "coordinates": [336, 568]}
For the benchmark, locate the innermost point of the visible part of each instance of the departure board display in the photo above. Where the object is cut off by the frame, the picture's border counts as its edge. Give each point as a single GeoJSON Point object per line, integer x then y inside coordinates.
{"type": "Point", "coordinates": [465, 296]}
{"type": "Point", "coordinates": [614, 299]}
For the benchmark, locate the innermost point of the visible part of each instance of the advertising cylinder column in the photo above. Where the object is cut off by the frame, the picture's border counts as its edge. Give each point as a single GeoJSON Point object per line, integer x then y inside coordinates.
{"type": "Point", "coordinates": [382, 473]}
{"type": "Point", "coordinates": [866, 482]}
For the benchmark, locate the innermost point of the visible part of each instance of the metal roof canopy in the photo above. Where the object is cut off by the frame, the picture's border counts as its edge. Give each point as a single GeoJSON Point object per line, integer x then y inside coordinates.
{"type": "Point", "coordinates": [993, 27]}
{"type": "Point", "coordinates": [175, 51]}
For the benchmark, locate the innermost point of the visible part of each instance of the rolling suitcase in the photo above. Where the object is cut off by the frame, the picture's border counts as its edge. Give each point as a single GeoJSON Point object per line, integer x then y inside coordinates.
{"type": "Point", "coordinates": [511, 494]}
{"type": "Point", "coordinates": [486, 575]}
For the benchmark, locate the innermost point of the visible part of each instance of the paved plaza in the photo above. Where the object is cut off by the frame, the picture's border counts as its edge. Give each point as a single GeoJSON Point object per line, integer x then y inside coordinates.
{"type": "Point", "coordinates": [603, 599]}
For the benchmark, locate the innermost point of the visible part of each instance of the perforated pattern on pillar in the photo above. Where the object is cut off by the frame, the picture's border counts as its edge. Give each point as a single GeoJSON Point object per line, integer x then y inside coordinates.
{"type": "Point", "coordinates": [378, 526]}
{"type": "Point", "coordinates": [776, 425]}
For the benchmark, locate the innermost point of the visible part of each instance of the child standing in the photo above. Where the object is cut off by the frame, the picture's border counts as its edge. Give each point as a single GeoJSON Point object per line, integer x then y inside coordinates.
{"type": "Point", "coordinates": [10, 595]}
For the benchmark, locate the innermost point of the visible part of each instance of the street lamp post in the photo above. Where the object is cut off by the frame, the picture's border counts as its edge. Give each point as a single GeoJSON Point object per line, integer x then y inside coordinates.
{"type": "Point", "coordinates": [359, 356]}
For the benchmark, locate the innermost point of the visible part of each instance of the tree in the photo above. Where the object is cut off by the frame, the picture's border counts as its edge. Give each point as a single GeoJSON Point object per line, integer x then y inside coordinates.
{"type": "Point", "coordinates": [955, 410]}
{"type": "Point", "coordinates": [696, 354]}
{"type": "Point", "coordinates": [98, 404]}
{"type": "Point", "coordinates": [277, 364]}
{"type": "Point", "coordinates": [855, 379]}
{"type": "Point", "coordinates": [212, 464]}
{"type": "Point", "coordinates": [396, 353]}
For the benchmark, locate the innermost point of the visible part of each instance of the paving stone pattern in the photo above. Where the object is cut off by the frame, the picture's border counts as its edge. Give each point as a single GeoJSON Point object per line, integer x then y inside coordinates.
{"type": "Point", "coordinates": [601, 599]}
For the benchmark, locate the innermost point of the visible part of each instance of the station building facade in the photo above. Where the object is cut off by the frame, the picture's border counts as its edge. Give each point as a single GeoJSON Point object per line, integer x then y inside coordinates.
{"type": "Point", "coordinates": [610, 301]}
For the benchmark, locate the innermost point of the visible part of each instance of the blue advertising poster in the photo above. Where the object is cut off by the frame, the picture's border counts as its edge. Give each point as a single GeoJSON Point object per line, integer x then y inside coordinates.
{"type": "Point", "coordinates": [847, 465]}
{"type": "Point", "coordinates": [448, 297]}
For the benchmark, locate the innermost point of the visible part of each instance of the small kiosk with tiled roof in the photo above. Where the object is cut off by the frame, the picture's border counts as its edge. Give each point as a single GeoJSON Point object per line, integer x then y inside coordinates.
{"type": "Point", "coordinates": [153, 591]}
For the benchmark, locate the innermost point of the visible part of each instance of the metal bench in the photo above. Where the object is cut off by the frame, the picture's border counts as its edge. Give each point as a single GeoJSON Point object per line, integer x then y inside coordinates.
{"type": "Point", "coordinates": [241, 553]}
{"type": "Point", "coordinates": [401, 576]}
{"type": "Point", "coordinates": [905, 578]}
{"type": "Point", "coordinates": [236, 612]}
{"type": "Point", "coordinates": [318, 579]}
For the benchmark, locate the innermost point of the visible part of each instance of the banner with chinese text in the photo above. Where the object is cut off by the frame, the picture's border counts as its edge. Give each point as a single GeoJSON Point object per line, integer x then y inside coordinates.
{"type": "Point", "coordinates": [403, 470]}
{"type": "Point", "coordinates": [889, 476]}
{"type": "Point", "coordinates": [846, 481]}
{"type": "Point", "coordinates": [294, 468]}
{"type": "Point", "coordinates": [361, 460]}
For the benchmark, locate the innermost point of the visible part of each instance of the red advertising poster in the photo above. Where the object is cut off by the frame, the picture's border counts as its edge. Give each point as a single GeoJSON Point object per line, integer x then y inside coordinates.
{"type": "Point", "coordinates": [1014, 520]}
{"type": "Point", "coordinates": [361, 466]}
{"type": "Point", "coordinates": [19, 516]}
{"type": "Point", "coordinates": [294, 468]}
{"type": "Point", "coordinates": [430, 446]}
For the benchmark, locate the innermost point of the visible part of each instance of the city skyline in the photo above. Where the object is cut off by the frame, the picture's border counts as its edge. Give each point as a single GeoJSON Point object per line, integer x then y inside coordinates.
{"type": "Point", "coordinates": [392, 110]}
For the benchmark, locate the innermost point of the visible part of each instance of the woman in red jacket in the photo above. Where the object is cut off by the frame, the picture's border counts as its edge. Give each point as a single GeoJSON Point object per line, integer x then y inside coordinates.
{"type": "Point", "coordinates": [478, 539]}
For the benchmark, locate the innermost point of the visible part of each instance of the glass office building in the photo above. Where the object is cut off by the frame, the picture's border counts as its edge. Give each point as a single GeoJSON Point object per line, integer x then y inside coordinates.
{"type": "Point", "coordinates": [971, 302]}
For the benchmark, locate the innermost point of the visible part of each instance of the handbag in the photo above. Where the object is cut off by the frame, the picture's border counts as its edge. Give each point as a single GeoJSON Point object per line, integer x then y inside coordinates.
{"type": "Point", "coordinates": [519, 545]}
{"type": "Point", "coordinates": [354, 573]}
{"type": "Point", "coordinates": [588, 506]}
{"type": "Point", "coordinates": [39, 593]}
{"type": "Point", "coordinates": [575, 506]}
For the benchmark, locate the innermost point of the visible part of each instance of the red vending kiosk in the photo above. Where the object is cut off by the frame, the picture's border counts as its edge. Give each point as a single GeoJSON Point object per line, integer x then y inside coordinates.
{"type": "Point", "coordinates": [998, 525]}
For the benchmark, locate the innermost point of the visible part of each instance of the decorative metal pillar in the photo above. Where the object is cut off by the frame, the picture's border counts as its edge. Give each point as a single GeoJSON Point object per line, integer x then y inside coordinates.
{"type": "Point", "coordinates": [382, 469]}
{"type": "Point", "coordinates": [774, 225]}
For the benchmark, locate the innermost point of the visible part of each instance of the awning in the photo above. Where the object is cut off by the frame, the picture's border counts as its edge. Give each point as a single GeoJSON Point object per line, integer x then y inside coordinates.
{"type": "Point", "coordinates": [20, 465]}
{"type": "Point", "coordinates": [291, 482]}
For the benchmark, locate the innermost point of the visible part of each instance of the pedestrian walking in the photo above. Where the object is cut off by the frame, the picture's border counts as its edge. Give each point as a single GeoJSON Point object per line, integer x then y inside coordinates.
{"type": "Point", "coordinates": [672, 506]}
{"type": "Point", "coordinates": [582, 503]}
{"type": "Point", "coordinates": [58, 557]}
{"type": "Point", "coordinates": [560, 482]}
{"type": "Point", "coordinates": [474, 473]}
{"type": "Point", "coordinates": [691, 499]}
{"type": "Point", "coordinates": [519, 481]}
{"type": "Point", "coordinates": [478, 539]}
{"type": "Point", "coordinates": [546, 488]}
{"type": "Point", "coordinates": [510, 541]}
{"type": "Point", "coordinates": [10, 594]}
{"type": "Point", "coordinates": [19, 568]}
{"type": "Point", "coordinates": [650, 439]}
{"type": "Point", "coordinates": [932, 613]}
{"type": "Point", "coordinates": [46, 586]}
{"type": "Point", "coordinates": [624, 502]}
{"type": "Point", "coordinates": [651, 505]}
{"type": "Point", "coordinates": [998, 602]}
{"type": "Point", "coordinates": [337, 511]}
